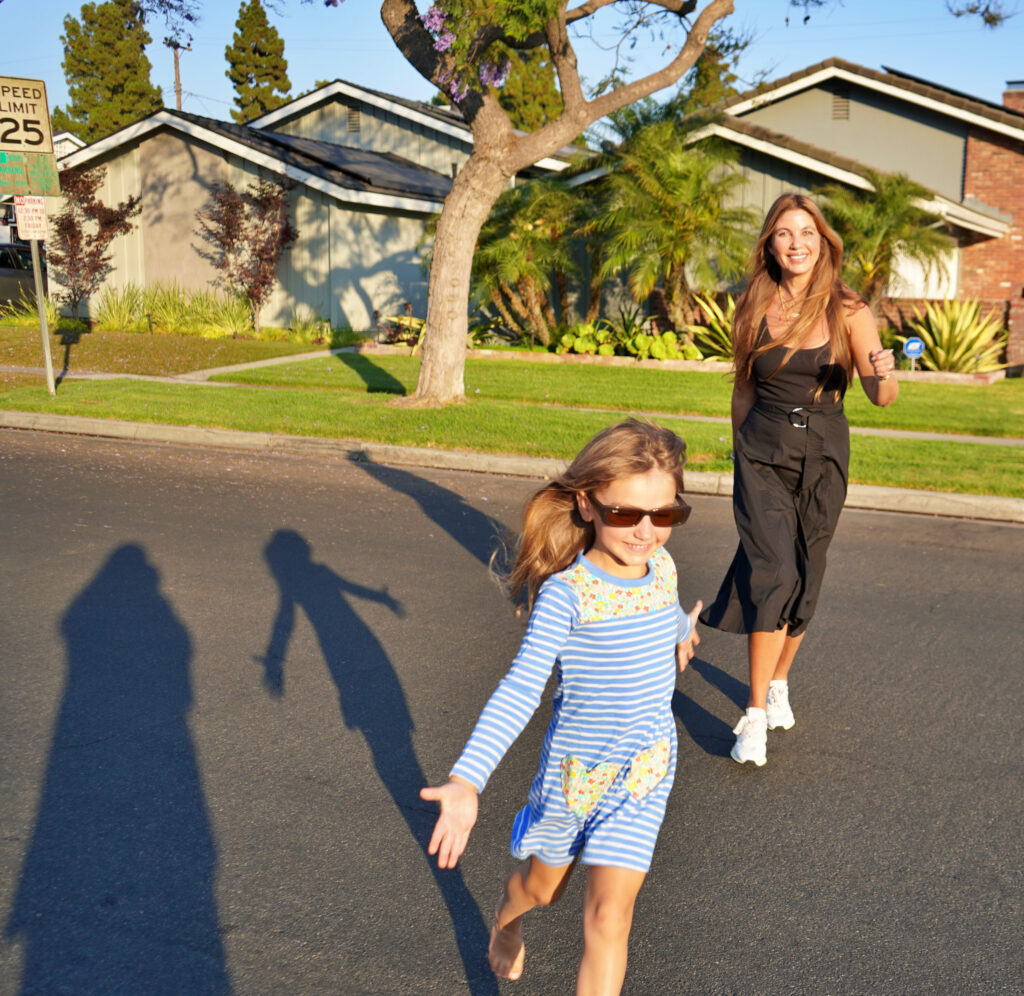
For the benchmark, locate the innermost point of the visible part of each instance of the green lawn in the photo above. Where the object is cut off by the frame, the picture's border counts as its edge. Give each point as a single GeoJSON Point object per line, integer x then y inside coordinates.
{"type": "Point", "coordinates": [965, 409]}
{"type": "Point", "coordinates": [536, 409]}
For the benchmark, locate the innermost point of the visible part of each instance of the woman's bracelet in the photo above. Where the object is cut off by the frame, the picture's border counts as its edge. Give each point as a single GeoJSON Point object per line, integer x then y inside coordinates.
{"type": "Point", "coordinates": [885, 378]}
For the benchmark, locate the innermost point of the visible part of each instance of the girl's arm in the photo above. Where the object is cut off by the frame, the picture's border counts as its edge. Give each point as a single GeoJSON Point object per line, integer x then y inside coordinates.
{"type": "Point", "coordinates": [875, 366]}
{"type": "Point", "coordinates": [687, 647]}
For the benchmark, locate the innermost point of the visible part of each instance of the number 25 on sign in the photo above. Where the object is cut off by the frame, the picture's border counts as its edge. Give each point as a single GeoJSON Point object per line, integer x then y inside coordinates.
{"type": "Point", "coordinates": [24, 116]}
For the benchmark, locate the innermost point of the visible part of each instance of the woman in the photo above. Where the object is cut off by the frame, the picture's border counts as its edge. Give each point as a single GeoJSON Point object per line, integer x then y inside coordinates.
{"type": "Point", "coordinates": [798, 335]}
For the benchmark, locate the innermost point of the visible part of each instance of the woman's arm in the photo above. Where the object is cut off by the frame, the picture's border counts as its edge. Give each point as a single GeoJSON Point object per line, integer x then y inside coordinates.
{"type": "Point", "coordinates": [743, 398]}
{"type": "Point", "coordinates": [875, 366]}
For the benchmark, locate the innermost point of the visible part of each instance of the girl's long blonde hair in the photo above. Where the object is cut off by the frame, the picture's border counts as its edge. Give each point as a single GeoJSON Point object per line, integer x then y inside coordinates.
{"type": "Point", "coordinates": [826, 295]}
{"type": "Point", "coordinates": [554, 532]}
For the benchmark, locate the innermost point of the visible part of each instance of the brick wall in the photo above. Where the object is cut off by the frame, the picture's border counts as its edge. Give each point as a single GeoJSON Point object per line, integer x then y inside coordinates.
{"type": "Point", "coordinates": [994, 269]}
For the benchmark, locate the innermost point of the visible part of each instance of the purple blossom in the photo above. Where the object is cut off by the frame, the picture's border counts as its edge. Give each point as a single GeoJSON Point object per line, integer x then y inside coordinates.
{"type": "Point", "coordinates": [444, 41]}
{"type": "Point", "coordinates": [458, 91]}
{"type": "Point", "coordinates": [433, 19]}
{"type": "Point", "coordinates": [493, 75]}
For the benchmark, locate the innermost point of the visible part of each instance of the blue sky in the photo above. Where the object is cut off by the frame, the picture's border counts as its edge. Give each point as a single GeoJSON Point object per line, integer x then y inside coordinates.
{"type": "Point", "coordinates": [349, 42]}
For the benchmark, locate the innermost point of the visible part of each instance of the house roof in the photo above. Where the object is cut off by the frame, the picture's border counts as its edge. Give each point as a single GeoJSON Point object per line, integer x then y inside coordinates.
{"type": "Point", "coordinates": [974, 217]}
{"type": "Point", "coordinates": [446, 120]}
{"type": "Point", "coordinates": [903, 86]}
{"type": "Point", "coordinates": [359, 176]}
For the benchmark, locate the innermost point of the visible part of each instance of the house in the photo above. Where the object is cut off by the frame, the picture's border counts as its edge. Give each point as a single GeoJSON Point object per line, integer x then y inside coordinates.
{"type": "Point", "coordinates": [829, 121]}
{"type": "Point", "coordinates": [369, 171]}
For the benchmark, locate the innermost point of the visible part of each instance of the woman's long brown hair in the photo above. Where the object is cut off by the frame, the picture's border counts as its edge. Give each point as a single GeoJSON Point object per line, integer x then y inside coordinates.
{"type": "Point", "coordinates": [554, 532]}
{"type": "Point", "coordinates": [826, 295]}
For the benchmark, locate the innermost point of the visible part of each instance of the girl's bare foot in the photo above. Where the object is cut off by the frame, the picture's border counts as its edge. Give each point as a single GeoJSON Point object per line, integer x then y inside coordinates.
{"type": "Point", "coordinates": [506, 952]}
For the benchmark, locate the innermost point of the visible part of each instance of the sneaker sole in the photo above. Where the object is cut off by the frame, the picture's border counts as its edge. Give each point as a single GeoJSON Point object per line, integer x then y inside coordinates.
{"type": "Point", "coordinates": [782, 726]}
{"type": "Point", "coordinates": [742, 760]}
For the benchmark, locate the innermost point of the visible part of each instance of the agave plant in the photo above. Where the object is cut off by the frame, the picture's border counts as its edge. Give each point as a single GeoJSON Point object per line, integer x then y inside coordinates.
{"type": "Point", "coordinates": [957, 339]}
{"type": "Point", "coordinates": [714, 338]}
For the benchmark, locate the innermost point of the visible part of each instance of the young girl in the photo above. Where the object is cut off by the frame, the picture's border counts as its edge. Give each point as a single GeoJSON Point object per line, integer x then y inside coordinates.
{"type": "Point", "coordinates": [606, 615]}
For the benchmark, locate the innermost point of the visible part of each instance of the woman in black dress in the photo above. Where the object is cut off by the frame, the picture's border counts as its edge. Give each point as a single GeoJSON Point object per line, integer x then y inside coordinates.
{"type": "Point", "coordinates": [798, 335]}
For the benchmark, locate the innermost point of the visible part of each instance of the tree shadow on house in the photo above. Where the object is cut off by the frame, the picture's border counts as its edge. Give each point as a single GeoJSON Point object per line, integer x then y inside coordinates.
{"type": "Point", "coordinates": [711, 734]}
{"type": "Point", "coordinates": [116, 894]}
{"type": "Point", "coordinates": [372, 701]}
{"type": "Point", "coordinates": [376, 379]}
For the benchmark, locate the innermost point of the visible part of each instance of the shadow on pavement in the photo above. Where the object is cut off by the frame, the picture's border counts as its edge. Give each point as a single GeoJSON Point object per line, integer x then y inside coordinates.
{"type": "Point", "coordinates": [117, 891]}
{"type": "Point", "coordinates": [372, 701]}
{"type": "Point", "coordinates": [710, 733]}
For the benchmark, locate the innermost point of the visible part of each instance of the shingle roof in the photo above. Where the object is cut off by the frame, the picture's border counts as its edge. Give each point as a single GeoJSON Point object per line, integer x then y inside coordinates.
{"type": "Point", "coordinates": [352, 168]}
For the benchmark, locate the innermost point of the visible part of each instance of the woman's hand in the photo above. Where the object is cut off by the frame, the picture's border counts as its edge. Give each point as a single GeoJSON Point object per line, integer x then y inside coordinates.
{"type": "Point", "coordinates": [458, 799]}
{"type": "Point", "coordinates": [686, 650]}
{"type": "Point", "coordinates": [883, 363]}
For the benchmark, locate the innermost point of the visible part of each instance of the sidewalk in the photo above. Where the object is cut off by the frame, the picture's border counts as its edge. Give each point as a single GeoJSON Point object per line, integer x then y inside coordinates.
{"type": "Point", "coordinates": [987, 507]}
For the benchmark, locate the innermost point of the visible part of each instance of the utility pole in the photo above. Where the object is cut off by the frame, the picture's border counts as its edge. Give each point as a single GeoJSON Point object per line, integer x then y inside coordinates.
{"type": "Point", "coordinates": [176, 47]}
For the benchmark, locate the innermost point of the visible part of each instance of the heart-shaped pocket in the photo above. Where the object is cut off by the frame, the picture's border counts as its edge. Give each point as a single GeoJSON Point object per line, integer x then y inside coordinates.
{"type": "Point", "coordinates": [583, 786]}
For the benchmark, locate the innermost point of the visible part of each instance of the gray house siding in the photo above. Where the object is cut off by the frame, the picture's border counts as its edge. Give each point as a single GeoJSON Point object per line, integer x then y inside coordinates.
{"type": "Point", "coordinates": [880, 131]}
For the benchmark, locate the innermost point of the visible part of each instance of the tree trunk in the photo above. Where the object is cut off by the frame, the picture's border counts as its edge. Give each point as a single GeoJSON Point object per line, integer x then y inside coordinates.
{"type": "Point", "coordinates": [475, 189]}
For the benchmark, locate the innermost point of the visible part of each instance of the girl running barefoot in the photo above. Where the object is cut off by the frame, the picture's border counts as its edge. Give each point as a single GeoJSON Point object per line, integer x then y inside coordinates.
{"type": "Point", "coordinates": [606, 616]}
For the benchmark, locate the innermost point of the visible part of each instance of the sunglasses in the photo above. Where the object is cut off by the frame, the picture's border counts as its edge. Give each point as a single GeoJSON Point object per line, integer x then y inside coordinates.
{"type": "Point", "coordinates": [626, 515]}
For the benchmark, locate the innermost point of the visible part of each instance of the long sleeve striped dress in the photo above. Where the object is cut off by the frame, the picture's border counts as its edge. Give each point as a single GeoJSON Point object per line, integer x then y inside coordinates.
{"type": "Point", "coordinates": [609, 754]}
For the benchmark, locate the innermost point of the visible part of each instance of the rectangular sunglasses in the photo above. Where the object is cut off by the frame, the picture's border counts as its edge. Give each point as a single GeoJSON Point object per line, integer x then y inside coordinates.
{"type": "Point", "coordinates": [626, 515]}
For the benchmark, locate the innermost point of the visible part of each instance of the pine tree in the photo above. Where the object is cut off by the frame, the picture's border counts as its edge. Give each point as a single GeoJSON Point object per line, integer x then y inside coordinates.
{"type": "Point", "coordinates": [106, 69]}
{"type": "Point", "coordinates": [258, 69]}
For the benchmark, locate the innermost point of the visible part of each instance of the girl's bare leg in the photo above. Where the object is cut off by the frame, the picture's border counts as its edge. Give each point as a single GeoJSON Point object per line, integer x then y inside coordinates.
{"type": "Point", "coordinates": [532, 884]}
{"type": "Point", "coordinates": [607, 917]}
{"type": "Point", "coordinates": [789, 648]}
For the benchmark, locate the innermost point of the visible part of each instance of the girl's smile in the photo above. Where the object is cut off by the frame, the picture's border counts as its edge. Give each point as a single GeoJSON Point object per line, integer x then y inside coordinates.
{"type": "Point", "coordinates": [796, 243]}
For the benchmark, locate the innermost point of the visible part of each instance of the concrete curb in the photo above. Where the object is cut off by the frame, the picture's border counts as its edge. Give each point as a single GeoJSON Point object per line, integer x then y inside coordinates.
{"type": "Point", "coordinates": [988, 507]}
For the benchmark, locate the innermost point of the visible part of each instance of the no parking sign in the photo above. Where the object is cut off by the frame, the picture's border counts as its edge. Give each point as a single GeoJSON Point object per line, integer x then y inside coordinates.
{"type": "Point", "coordinates": [912, 349]}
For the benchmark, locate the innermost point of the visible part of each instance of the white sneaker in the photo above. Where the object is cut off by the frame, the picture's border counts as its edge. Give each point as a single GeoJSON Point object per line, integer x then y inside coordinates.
{"type": "Point", "coordinates": [751, 737]}
{"type": "Point", "coordinates": [780, 715]}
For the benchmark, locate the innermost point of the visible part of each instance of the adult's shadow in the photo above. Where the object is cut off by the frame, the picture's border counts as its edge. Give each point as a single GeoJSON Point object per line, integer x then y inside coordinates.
{"type": "Point", "coordinates": [116, 894]}
{"type": "Point", "coordinates": [375, 377]}
{"type": "Point", "coordinates": [478, 533]}
{"type": "Point", "coordinates": [372, 701]}
{"type": "Point", "coordinates": [710, 733]}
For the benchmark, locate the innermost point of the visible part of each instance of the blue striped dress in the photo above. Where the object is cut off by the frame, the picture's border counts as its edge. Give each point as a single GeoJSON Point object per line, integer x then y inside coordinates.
{"type": "Point", "coordinates": [609, 755]}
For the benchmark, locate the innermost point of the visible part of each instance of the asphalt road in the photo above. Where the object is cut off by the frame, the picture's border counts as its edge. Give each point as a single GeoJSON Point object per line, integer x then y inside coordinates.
{"type": "Point", "coordinates": [225, 676]}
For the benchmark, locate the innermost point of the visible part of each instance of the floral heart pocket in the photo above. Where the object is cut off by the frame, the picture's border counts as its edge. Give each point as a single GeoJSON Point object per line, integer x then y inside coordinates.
{"type": "Point", "coordinates": [648, 768]}
{"type": "Point", "coordinates": [582, 786]}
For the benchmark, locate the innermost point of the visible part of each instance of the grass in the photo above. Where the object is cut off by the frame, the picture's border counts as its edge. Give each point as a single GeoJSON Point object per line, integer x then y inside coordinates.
{"type": "Point", "coordinates": [514, 407]}
{"type": "Point", "coordinates": [962, 409]}
{"type": "Point", "coordinates": [132, 352]}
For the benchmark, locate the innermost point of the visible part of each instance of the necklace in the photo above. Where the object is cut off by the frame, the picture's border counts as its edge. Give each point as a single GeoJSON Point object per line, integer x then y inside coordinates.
{"type": "Point", "coordinates": [788, 310]}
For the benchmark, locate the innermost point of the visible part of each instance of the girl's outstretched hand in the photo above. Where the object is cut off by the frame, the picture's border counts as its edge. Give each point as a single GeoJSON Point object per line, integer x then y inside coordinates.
{"type": "Point", "coordinates": [686, 649]}
{"type": "Point", "coordinates": [458, 799]}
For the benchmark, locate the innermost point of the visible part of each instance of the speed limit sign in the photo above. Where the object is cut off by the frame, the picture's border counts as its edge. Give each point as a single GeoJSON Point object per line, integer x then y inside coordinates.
{"type": "Point", "coordinates": [24, 116]}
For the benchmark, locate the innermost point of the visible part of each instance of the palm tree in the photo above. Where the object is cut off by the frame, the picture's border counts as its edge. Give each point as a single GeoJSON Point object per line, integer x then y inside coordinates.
{"type": "Point", "coordinates": [667, 216]}
{"type": "Point", "coordinates": [525, 251]}
{"type": "Point", "coordinates": [882, 225]}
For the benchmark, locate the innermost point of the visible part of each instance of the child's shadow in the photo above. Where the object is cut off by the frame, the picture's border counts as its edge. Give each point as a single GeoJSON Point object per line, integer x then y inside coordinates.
{"type": "Point", "coordinates": [710, 733]}
{"type": "Point", "coordinates": [372, 701]}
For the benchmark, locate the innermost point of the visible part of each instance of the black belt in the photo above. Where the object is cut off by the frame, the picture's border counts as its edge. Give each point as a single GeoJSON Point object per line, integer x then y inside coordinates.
{"type": "Point", "coordinates": [806, 417]}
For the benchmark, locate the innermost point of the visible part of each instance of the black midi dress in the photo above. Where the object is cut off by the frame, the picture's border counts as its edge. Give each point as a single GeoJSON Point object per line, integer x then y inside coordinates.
{"type": "Point", "coordinates": [789, 484]}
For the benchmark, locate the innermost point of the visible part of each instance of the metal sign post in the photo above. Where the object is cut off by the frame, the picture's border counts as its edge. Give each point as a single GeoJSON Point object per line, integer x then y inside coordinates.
{"type": "Point", "coordinates": [28, 169]}
{"type": "Point", "coordinates": [31, 215]}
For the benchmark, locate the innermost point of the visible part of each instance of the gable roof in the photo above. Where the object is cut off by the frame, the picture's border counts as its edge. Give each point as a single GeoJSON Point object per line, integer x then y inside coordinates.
{"type": "Point", "coordinates": [981, 219]}
{"type": "Point", "coordinates": [359, 176]}
{"type": "Point", "coordinates": [445, 120]}
{"type": "Point", "coordinates": [951, 103]}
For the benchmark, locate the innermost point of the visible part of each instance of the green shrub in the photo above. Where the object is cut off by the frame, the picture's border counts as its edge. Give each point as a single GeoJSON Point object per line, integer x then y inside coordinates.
{"type": "Point", "coordinates": [167, 309]}
{"type": "Point", "coordinates": [588, 339]}
{"type": "Point", "coordinates": [662, 346]}
{"type": "Point", "coordinates": [24, 314]}
{"type": "Point", "coordinates": [714, 337]}
{"type": "Point", "coordinates": [120, 310]}
{"type": "Point", "coordinates": [956, 338]}
{"type": "Point", "coordinates": [307, 326]}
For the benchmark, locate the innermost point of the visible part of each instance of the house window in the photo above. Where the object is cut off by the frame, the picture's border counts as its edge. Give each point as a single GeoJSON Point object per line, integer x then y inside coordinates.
{"type": "Point", "coordinates": [352, 127]}
{"type": "Point", "coordinates": [840, 106]}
